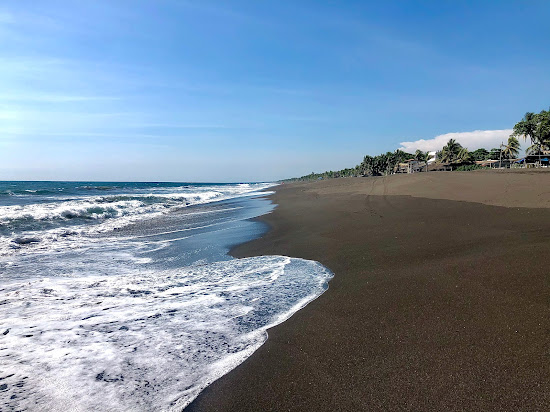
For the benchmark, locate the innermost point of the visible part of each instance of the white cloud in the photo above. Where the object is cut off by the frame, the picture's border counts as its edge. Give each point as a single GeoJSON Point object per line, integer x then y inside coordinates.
{"type": "Point", "coordinates": [471, 140]}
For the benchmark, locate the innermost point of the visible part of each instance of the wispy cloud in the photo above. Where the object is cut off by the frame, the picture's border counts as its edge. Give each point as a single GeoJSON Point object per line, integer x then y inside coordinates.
{"type": "Point", "coordinates": [39, 133]}
{"type": "Point", "coordinates": [222, 11]}
{"type": "Point", "coordinates": [471, 140]}
{"type": "Point", "coordinates": [53, 98]}
{"type": "Point", "coordinates": [23, 122]}
{"type": "Point", "coordinates": [179, 126]}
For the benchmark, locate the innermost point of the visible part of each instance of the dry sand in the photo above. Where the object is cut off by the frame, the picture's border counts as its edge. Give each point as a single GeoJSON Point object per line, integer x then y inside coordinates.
{"type": "Point", "coordinates": [510, 188]}
{"type": "Point", "coordinates": [439, 302]}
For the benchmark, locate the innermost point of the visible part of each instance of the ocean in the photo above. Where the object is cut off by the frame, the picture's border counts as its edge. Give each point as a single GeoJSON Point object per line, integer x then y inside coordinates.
{"type": "Point", "coordinates": [122, 296]}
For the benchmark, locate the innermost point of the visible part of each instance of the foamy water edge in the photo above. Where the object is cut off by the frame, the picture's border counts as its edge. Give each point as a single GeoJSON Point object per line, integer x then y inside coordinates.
{"type": "Point", "coordinates": [85, 332]}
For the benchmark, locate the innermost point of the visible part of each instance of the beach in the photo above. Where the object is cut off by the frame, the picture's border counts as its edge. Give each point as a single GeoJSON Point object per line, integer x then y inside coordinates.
{"type": "Point", "coordinates": [439, 301]}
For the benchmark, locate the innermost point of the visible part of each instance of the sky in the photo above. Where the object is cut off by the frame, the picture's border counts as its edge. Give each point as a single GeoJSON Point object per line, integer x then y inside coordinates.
{"type": "Point", "coordinates": [230, 91]}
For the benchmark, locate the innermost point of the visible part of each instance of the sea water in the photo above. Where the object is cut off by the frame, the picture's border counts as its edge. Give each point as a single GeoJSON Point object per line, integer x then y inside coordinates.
{"type": "Point", "coordinates": [121, 296]}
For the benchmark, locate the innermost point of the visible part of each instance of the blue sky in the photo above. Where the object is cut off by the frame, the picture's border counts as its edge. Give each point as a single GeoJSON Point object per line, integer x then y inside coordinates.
{"type": "Point", "coordinates": [257, 90]}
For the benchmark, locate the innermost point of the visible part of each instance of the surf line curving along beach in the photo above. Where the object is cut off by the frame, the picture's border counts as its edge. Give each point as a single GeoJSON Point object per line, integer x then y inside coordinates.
{"type": "Point", "coordinates": [439, 299]}
{"type": "Point", "coordinates": [121, 296]}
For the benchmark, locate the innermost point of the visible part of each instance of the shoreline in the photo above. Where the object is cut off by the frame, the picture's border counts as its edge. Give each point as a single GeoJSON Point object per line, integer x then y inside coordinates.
{"type": "Point", "coordinates": [435, 304]}
{"type": "Point", "coordinates": [153, 264]}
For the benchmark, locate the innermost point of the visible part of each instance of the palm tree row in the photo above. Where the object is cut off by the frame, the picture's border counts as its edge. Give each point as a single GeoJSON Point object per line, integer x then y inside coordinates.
{"type": "Point", "coordinates": [533, 126]}
{"type": "Point", "coordinates": [454, 153]}
{"type": "Point", "coordinates": [381, 165]}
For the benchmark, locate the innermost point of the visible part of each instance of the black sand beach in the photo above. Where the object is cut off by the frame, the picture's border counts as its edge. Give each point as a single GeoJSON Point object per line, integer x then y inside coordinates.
{"type": "Point", "coordinates": [436, 304]}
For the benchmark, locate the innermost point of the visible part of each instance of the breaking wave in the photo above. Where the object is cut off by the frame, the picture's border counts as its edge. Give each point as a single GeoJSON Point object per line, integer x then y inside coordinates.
{"type": "Point", "coordinates": [48, 217]}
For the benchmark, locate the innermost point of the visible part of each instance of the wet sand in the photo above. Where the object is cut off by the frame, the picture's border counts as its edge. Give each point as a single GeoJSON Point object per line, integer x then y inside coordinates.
{"type": "Point", "coordinates": [439, 301]}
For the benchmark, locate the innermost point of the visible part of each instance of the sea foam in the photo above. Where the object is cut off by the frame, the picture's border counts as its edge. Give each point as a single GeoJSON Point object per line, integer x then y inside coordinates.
{"type": "Point", "coordinates": [147, 341]}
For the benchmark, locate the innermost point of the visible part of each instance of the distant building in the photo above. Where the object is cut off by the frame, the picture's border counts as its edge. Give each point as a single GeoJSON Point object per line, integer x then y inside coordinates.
{"type": "Point", "coordinates": [487, 163]}
{"type": "Point", "coordinates": [410, 166]}
{"type": "Point", "coordinates": [440, 167]}
{"type": "Point", "coordinates": [542, 160]}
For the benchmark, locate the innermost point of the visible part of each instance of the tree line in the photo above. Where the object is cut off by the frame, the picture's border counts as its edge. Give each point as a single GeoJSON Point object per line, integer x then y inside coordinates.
{"type": "Point", "coordinates": [534, 127]}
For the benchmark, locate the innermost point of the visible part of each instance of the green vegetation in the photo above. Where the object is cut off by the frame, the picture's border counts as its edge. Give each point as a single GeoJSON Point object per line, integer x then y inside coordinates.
{"type": "Point", "coordinates": [450, 152]}
{"type": "Point", "coordinates": [494, 154]}
{"type": "Point", "coordinates": [480, 154]}
{"type": "Point", "coordinates": [383, 164]}
{"type": "Point", "coordinates": [380, 165]}
{"type": "Point", "coordinates": [533, 126]}
{"type": "Point", "coordinates": [511, 150]}
{"type": "Point", "coordinates": [536, 128]}
{"type": "Point", "coordinates": [423, 157]}
{"type": "Point", "coordinates": [469, 168]}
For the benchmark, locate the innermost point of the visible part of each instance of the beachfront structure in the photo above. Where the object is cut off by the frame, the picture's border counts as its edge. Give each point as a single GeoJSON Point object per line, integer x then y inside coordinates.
{"type": "Point", "coordinates": [542, 160]}
{"type": "Point", "coordinates": [440, 167]}
{"type": "Point", "coordinates": [410, 166]}
{"type": "Point", "coordinates": [487, 163]}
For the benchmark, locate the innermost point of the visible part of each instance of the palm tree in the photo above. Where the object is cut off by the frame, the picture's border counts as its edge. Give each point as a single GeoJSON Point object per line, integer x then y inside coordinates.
{"type": "Point", "coordinates": [367, 165]}
{"type": "Point", "coordinates": [453, 146]}
{"type": "Point", "coordinates": [511, 149]}
{"type": "Point", "coordinates": [527, 127]}
{"type": "Point", "coordinates": [450, 151]}
{"type": "Point", "coordinates": [446, 156]}
{"type": "Point", "coordinates": [534, 149]}
{"type": "Point", "coordinates": [544, 126]}
{"type": "Point", "coordinates": [536, 127]}
{"type": "Point", "coordinates": [464, 155]}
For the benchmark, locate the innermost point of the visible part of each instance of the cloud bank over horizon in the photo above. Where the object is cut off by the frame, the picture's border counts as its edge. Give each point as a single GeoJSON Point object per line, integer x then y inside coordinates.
{"type": "Point", "coordinates": [471, 140]}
